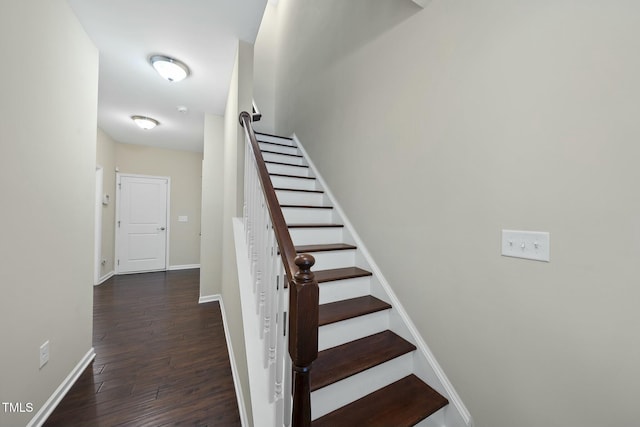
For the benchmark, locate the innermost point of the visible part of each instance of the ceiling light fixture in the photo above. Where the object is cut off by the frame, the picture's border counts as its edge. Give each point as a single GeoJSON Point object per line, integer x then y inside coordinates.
{"type": "Point", "coordinates": [145, 123]}
{"type": "Point", "coordinates": [169, 68]}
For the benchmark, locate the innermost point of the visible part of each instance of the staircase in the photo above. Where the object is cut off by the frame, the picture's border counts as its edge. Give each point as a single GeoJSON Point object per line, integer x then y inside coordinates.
{"type": "Point", "coordinates": [369, 371]}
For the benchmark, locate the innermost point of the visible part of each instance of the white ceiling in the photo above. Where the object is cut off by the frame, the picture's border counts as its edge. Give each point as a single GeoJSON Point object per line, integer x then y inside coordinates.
{"type": "Point", "coordinates": [201, 33]}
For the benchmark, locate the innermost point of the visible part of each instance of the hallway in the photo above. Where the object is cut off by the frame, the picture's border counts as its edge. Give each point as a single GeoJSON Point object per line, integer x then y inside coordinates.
{"type": "Point", "coordinates": [161, 358]}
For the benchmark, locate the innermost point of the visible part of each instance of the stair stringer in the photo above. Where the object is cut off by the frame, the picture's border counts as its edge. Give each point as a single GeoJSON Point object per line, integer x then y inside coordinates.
{"type": "Point", "coordinates": [426, 367]}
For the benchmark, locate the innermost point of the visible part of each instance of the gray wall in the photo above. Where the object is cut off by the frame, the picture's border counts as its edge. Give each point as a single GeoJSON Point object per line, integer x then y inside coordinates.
{"type": "Point", "coordinates": [223, 200]}
{"type": "Point", "coordinates": [106, 158]}
{"type": "Point", "coordinates": [264, 60]}
{"type": "Point", "coordinates": [47, 180]}
{"type": "Point", "coordinates": [438, 127]}
{"type": "Point", "coordinates": [212, 206]}
{"type": "Point", "coordinates": [239, 99]}
{"type": "Point", "coordinates": [185, 170]}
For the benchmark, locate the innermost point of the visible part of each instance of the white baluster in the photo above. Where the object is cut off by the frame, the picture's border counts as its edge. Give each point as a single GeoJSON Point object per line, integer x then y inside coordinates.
{"type": "Point", "coordinates": [287, 398]}
{"type": "Point", "coordinates": [246, 180]}
{"type": "Point", "coordinates": [254, 228]}
{"type": "Point", "coordinates": [267, 272]}
{"type": "Point", "coordinates": [271, 286]}
{"type": "Point", "coordinates": [281, 351]}
{"type": "Point", "coordinates": [260, 282]}
{"type": "Point", "coordinates": [273, 337]}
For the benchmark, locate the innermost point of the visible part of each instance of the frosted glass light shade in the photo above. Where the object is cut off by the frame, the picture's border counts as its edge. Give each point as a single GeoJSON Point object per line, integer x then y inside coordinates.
{"type": "Point", "coordinates": [145, 123]}
{"type": "Point", "coordinates": [169, 68]}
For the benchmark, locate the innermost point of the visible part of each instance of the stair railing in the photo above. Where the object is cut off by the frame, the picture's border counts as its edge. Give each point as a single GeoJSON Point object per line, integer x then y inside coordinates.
{"type": "Point", "coordinates": [268, 239]}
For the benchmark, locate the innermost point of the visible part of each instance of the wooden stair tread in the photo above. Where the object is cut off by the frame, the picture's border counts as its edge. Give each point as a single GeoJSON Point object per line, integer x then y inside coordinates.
{"type": "Point", "coordinates": [298, 189]}
{"type": "Point", "coordinates": [276, 143]}
{"type": "Point", "coordinates": [281, 154]}
{"type": "Point", "coordinates": [274, 136]}
{"type": "Point", "coordinates": [286, 164]}
{"type": "Point", "coordinates": [340, 274]}
{"type": "Point", "coordinates": [343, 361]}
{"type": "Point", "coordinates": [284, 175]}
{"type": "Point", "coordinates": [403, 403]}
{"type": "Point", "coordinates": [306, 206]}
{"type": "Point", "coordinates": [303, 249]}
{"type": "Point", "coordinates": [348, 309]}
{"type": "Point", "coordinates": [314, 225]}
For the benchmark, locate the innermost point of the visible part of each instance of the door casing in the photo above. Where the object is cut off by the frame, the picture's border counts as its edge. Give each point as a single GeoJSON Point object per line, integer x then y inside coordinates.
{"type": "Point", "coordinates": [119, 177]}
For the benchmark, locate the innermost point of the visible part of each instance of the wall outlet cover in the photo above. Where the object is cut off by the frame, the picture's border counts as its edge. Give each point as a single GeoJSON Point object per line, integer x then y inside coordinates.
{"type": "Point", "coordinates": [534, 245]}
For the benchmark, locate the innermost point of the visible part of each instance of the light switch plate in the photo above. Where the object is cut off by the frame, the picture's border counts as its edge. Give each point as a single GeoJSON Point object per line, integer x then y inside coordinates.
{"type": "Point", "coordinates": [44, 353]}
{"type": "Point", "coordinates": [183, 218]}
{"type": "Point", "coordinates": [526, 244]}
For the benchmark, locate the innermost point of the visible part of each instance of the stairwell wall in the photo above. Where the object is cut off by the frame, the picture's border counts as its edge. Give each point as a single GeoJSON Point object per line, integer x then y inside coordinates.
{"type": "Point", "coordinates": [264, 82]}
{"type": "Point", "coordinates": [438, 127]}
{"type": "Point", "coordinates": [239, 99]}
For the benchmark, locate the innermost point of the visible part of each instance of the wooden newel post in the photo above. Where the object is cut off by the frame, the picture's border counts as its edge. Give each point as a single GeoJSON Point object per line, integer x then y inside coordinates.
{"type": "Point", "coordinates": [303, 336]}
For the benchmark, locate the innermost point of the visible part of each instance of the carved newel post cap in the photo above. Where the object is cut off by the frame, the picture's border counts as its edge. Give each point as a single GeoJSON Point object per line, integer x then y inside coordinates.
{"type": "Point", "coordinates": [304, 263]}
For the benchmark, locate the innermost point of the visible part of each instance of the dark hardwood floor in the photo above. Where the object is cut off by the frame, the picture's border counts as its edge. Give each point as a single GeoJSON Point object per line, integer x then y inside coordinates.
{"type": "Point", "coordinates": [161, 358]}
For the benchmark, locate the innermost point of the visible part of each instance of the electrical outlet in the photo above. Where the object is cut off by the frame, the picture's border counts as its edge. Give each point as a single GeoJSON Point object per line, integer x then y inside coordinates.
{"type": "Point", "coordinates": [44, 353]}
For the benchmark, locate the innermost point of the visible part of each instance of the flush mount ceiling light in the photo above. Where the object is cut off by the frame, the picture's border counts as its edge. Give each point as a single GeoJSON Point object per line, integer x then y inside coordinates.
{"type": "Point", "coordinates": [145, 123]}
{"type": "Point", "coordinates": [169, 68]}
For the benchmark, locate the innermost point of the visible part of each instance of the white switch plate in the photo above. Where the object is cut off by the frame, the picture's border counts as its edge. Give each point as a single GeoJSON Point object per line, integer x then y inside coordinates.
{"type": "Point", "coordinates": [44, 353]}
{"type": "Point", "coordinates": [183, 218]}
{"type": "Point", "coordinates": [526, 244]}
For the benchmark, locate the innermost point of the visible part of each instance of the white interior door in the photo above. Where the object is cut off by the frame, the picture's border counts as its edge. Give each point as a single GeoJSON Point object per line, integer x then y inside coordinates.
{"type": "Point", "coordinates": [142, 223]}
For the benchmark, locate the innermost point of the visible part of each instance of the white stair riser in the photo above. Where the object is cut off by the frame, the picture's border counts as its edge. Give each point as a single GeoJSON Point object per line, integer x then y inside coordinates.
{"type": "Point", "coordinates": [287, 170]}
{"type": "Point", "coordinates": [316, 236]}
{"type": "Point", "coordinates": [297, 183]}
{"type": "Point", "coordinates": [270, 157]}
{"type": "Point", "coordinates": [307, 216]}
{"type": "Point", "coordinates": [277, 140]}
{"type": "Point", "coordinates": [343, 392]}
{"type": "Point", "coordinates": [344, 289]}
{"type": "Point", "coordinates": [434, 420]}
{"type": "Point", "coordinates": [278, 148]}
{"type": "Point", "coordinates": [334, 259]}
{"type": "Point", "coordinates": [300, 198]}
{"type": "Point", "coordinates": [348, 330]}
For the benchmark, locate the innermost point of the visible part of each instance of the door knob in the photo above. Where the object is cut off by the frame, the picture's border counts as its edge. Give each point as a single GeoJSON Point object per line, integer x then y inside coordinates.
{"type": "Point", "coordinates": [161, 228]}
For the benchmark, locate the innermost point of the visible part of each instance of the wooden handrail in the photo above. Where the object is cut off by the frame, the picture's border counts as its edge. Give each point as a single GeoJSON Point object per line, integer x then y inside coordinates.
{"type": "Point", "coordinates": [303, 291]}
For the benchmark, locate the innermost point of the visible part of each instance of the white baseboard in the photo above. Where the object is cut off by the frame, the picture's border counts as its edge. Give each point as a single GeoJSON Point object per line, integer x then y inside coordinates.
{"type": "Point", "coordinates": [106, 277]}
{"type": "Point", "coordinates": [183, 267]}
{"type": "Point", "coordinates": [210, 298]}
{"type": "Point", "coordinates": [234, 368]}
{"type": "Point", "coordinates": [47, 409]}
{"type": "Point", "coordinates": [452, 395]}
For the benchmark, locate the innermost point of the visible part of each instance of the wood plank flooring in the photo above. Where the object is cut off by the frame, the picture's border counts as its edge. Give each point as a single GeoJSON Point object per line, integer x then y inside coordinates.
{"type": "Point", "coordinates": [161, 358]}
